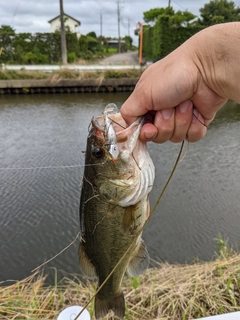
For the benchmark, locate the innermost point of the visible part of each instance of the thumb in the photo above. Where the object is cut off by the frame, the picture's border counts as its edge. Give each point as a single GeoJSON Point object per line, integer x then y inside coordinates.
{"type": "Point", "coordinates": [137, 104]}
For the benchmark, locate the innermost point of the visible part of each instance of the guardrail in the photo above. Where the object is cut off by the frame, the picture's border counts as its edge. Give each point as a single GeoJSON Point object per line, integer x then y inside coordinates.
{"type": "Point", "coordinates": [50, 68]}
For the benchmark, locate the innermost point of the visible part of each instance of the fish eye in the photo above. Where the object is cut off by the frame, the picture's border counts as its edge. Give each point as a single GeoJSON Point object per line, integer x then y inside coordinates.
{"type": "Point", "coordinates": [97, 152]}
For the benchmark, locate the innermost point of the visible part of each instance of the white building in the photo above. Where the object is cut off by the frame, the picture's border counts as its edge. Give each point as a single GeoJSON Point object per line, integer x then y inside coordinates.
{"type": "Point", "coordinates": [69, 22]}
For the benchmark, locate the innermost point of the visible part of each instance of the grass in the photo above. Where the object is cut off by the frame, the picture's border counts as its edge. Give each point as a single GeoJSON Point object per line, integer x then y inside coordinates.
{"type": "Point", "coordinates": [162, 293]}
{"type": "Point", "coordinates": [110, 51]}
{"type": "Point", "coordinates": [67, 74]}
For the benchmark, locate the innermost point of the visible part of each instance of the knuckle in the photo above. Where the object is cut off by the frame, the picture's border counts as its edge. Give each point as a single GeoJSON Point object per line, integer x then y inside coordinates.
{"type": "Point", "coordinates": [159, 140]}
{"type": "Point", "coordinates": [166, 130]}
{"type": "Point", "coordinates": [183, 120]}
{"type": "Point", "coordinates": [162, 137]}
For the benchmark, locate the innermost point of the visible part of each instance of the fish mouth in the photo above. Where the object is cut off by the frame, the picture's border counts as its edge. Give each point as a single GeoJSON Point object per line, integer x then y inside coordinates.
{"type": "Point", "coordinates": [113, 131]}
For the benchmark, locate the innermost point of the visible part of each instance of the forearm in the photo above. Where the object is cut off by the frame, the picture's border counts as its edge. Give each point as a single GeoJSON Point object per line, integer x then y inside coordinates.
{"type": "Point", "coordinates": [217, 56]}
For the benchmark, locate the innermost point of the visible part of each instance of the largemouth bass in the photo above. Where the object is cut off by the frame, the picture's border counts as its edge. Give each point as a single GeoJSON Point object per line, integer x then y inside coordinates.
{"type": "Point", "coordinates": [114, 206]}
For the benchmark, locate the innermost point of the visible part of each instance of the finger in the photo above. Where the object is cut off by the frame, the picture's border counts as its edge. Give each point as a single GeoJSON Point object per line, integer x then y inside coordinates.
{"type": "Point", "coordinates": [162, 129]}
{"type": "Point", "coordinates": [183, 119]}
{"type": "Point", "coordinates": [197, 129]}
{"type": "Point", "coordinates": [148, 132]}
{"type": "Point", "coordinates": [137, 104]}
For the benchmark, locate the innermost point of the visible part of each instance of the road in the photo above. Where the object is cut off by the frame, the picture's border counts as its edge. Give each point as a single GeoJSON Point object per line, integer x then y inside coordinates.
{"type": "Point", "coordinates": [126, 58]}
{"type": "Point", "coordinates": [118, 61]}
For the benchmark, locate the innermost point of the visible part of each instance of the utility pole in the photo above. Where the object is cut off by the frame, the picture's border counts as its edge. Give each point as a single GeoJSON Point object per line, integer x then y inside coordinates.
{"type": "Point", "coordinates": [139, 28]}
{"type": "Point", "coordinates": [63, 34]}
{"type": "Point", "coordinates": [169, 3]}
{"type": "Point", "coordinates": [119, 38]}
{"type": "Point", "coordinates": [101, 24]}
{"type": "Point", "coordinates": [141, 44]}
{"type": "Point", "coordinates": [128, 26]}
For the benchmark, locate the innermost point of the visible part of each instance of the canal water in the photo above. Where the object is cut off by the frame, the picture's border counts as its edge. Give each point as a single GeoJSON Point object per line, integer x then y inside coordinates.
{"type": "Point", "coordinates": [41, 165]}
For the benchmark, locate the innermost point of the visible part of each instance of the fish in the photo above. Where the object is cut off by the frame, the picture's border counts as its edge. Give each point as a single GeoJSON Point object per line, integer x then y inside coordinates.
{"type": "Point", "coordinates": [114, 206]}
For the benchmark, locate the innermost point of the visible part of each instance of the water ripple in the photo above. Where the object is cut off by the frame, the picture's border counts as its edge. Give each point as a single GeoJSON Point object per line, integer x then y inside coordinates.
{"type": "Point", "coordinates": [39, 207]}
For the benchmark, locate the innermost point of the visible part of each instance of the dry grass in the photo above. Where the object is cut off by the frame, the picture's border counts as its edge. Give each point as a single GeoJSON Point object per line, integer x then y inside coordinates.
{"type": "Point", "coordinates": [22, 75]}
{"type": "Point", "coordinates": [67, 74]}
{"type": "Point", "coordinates": [164, 292]}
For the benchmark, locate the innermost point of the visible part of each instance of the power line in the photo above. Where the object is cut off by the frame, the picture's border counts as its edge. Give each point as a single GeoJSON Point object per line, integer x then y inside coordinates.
{"type": "Point", "coordinates": [15, 12]}
{"type": "Point", "coordinates": [85, 13]}
{"type": "Point", "coordinates": [124, 16]}
{"type": "Point", "coordinates": [103, 7]}
{"type": "Point", "coordinates": [179, 5]}
{"type": "Point", "coordinates": [129, 23]}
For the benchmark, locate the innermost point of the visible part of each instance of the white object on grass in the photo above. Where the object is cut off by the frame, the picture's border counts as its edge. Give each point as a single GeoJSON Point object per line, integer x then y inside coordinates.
{"type": "Point", "coordinates": [227, 316]}
{"type": "Point", "coordinates": [70, 313]}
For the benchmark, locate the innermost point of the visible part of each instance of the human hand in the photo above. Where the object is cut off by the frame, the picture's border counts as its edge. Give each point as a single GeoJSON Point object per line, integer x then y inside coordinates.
{"type": "Point", "coordinates": [183, 91]}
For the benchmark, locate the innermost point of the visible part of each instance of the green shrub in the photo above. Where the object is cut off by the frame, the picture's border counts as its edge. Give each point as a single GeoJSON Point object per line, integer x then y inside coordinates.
{"type": "Point", "coordinates": [33, 58]}
{"type": "Point", "coordinates": [71, 57]}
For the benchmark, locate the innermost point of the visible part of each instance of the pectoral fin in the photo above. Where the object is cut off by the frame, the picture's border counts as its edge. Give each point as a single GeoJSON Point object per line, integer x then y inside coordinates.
{"type": "Point", "coordinates": [139, 262]}
{"type": "Point", "coordinates": [86, 266]}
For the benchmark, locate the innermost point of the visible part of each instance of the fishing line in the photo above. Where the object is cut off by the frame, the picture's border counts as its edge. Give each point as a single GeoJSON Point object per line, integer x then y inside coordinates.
{"type": "Point", "coordinates": [199, 120]}
{"type": "Point", "coordinates": [117, 123]}
{"type": "Point", "coordinates": [53, 167]}
{"type": "Point", "coordinates": [43, 264]}
{"type": "Point", "coordinates": [185, 153]}
{"type": "Point", "coordinates": [138, 234]}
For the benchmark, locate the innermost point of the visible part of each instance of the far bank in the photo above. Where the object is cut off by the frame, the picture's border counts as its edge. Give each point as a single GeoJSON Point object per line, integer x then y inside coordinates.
{"type": "Point", "coordinates": [68, 81]}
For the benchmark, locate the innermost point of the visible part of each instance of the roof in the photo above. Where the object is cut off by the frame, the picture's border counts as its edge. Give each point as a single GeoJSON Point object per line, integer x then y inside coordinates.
{"type": "Point", "coordinates": [115, 41]}
{"type": "Point", "coordinates": [78, 22]}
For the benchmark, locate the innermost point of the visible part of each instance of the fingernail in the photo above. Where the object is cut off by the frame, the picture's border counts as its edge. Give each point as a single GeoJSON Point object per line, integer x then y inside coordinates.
{"type": "Point", "coordinates": [184, 107]}
{"type": "Point", "coordinates": [167, 113]}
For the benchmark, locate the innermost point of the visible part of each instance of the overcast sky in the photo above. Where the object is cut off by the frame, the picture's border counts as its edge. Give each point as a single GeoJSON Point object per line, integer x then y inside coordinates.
{"type": "Point", "coordinates": [33, 15]}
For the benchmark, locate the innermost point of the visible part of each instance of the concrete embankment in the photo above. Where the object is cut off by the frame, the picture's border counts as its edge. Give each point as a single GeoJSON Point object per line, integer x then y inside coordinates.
{"type": "Point", "coordinates": [66, 86]}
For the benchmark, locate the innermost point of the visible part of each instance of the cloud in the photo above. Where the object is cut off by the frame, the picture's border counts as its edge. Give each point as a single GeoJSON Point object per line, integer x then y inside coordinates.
{"type": "Point", "coordinates": [33, 16]}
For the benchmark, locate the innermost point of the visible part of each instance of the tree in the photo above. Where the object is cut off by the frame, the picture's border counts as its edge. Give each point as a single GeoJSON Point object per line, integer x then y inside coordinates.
{"type": "Point", "coordinates": [153, 14]}
{"type": "Point", "coordinates": [179, 18]}
{"type": "Point", "coordinates": [7, 34]}
{"type": "Point", "coordinates": [219, 11]}
{"type": "Point", "coordinates": [94, 45]}
{"type": "Point", "coordinates": [128, 40]}
{"type": "Point", "coordinates": [22, 43]}
{"type": "Point", "coordinates": [168, 29]}
{"type": "Point", "coordinates": [92, 34]}
{"type": "Point", "coordinates": [182, 18]}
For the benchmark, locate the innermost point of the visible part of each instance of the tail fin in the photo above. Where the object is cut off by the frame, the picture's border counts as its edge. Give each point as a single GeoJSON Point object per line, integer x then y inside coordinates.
{"type": "Point", "coordinates": [115, 303]}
